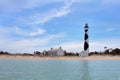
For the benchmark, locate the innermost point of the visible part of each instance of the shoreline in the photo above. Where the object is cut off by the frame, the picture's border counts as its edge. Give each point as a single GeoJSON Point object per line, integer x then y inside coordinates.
{"type": "Point", "coordinates": [95, 57]}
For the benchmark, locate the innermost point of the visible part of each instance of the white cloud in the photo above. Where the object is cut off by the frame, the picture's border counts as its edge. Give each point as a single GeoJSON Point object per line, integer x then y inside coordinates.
{"type": "Point", "coordinates": [36, 3]}
{"type": "Point", "coordinates": [37, 32]}
{"type": "Point", "coordinates": [64, 10]}
{"type": "Point", "coordinates": [32, 32]}
{"type": "Point", "coordinates": [7, 31]}
{"type": "Point", "coordinates": [37, 41]}
{"type": "Point", "coordinates": [18, 5]}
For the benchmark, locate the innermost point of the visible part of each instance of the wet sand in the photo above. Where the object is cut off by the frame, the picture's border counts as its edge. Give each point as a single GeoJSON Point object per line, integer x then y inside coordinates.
{"type": "Point", "coordinates": [10, 57]}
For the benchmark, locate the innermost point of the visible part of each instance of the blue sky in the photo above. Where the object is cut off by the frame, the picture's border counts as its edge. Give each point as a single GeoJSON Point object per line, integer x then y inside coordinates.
{"type": "Point", "coordinates": [30, 25]}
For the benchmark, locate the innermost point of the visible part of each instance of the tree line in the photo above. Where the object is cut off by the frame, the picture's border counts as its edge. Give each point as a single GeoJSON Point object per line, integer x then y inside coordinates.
{"type": "Point", "coordinates": [4, 53]}
{"type": "Point", "coordinates": [113, 52]}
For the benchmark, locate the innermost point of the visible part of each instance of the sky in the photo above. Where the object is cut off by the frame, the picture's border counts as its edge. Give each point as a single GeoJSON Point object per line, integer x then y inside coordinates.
{"type": "Point", "coordinates": [36, 25]}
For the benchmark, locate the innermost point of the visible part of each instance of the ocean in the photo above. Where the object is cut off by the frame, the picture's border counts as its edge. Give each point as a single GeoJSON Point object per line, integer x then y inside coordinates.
{"type": "Point", "coordinates": [59, 70]}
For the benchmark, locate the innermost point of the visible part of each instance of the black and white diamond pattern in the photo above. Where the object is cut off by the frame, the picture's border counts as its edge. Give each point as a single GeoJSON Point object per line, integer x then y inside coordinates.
{"type": "Point", "coordinates": [86, 38]}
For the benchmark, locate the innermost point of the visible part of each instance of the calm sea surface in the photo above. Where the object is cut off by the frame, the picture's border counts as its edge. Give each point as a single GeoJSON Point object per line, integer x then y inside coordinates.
{"type": "Point", "coordinates": [59, 70]}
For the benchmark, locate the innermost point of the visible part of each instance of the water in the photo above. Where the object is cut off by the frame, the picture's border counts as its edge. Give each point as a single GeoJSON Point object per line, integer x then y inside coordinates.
{"type": "Point", "coordinates": [59, 70]}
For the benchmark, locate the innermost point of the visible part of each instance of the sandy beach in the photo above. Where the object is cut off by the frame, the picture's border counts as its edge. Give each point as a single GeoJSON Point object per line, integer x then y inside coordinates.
{"type": "Point", "coordinates": [10, 57]}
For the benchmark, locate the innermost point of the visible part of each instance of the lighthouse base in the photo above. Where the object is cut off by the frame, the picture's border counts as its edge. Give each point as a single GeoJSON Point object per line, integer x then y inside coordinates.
{"type": "Point", "coordinates": [84, 53]}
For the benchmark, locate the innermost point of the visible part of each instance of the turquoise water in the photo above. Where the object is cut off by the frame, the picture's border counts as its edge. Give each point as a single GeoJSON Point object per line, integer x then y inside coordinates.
{"type": "Point", "coordinates": [59, 70]}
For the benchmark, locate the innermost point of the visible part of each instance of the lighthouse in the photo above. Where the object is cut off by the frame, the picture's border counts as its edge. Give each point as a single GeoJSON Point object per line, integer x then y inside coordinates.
{"type": "Point", "coordinates": [86, 40]}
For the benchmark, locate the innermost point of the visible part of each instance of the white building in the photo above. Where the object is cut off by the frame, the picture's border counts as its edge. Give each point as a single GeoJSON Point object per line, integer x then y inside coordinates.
{"type": "Point", "coordinates": [56, 52]}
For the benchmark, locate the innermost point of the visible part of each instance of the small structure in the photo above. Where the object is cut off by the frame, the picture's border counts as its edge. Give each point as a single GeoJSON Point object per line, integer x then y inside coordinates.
{"type": "Point", "coordinates": [55, 52]}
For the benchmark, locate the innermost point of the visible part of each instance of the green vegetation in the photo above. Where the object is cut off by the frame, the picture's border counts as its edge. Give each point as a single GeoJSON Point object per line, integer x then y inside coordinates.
{"type": "Point", "coordinates": [112, 52]}
{"type": "Point", "coordinates": [20, 54]}
{"type": "Point", "coordinates": [70, 53]}
{"type": "Point", "coordinates": [4, 53]}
